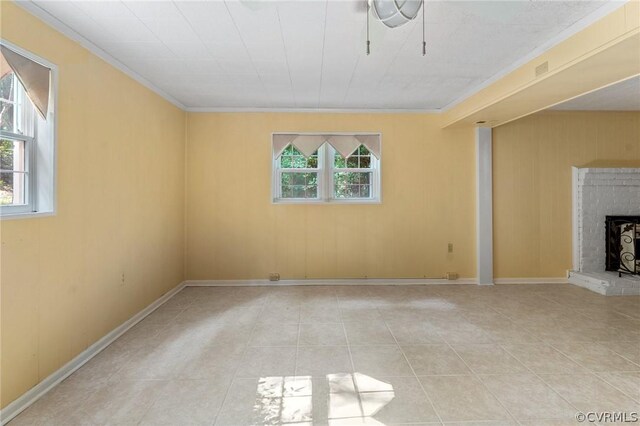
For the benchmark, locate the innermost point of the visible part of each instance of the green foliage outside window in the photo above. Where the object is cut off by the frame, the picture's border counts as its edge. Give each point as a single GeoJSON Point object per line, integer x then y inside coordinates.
{"type": "Point", "coordinates": [6, 107]}
{"type": "Point", "coordinates": [6, 179]}
{"type": "Point", "coordinates": [353, 184]}
{"type": "Point", "coordinates": [303, 184]}
{"type": "Point", "coordinates": [298, 184]}
{"type": "Point", "coordinates": [6, 146]}
{"type": "Point", "coordinates": [291, 158]}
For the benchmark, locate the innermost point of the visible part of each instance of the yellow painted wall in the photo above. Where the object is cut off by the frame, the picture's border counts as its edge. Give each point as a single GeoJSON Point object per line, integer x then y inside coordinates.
{"type": "Point", "coordinates": [120, 203]}
{"type": "Point", "coordinates": [532, 159]}
{"type": "Point", "coordinates": [235, 232]}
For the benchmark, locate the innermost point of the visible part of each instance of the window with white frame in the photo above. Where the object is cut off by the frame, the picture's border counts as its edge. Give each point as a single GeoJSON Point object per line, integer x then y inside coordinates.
{"type": "Point", "coordinates": [18, 136]}
{"type": "Point", "coordinates": [354, 177]}
{"type": "Point", "coordinates": [299, 177]}
{"type": "Point", "coordinates": [326, 168]}
{"type": "Point", "coordinates": [26, 134]}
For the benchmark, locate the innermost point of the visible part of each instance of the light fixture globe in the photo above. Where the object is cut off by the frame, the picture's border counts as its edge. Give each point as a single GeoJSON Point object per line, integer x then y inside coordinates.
{"type": "Point", "coordinates": [394, 13]}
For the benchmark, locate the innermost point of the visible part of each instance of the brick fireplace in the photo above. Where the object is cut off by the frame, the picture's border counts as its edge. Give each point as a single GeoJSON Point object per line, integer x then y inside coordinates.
{"type": "Point", "coordinates": [598, 193]}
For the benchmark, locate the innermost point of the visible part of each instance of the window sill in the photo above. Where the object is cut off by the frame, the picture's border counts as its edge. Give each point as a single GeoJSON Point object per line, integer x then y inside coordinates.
{"type": "Point", "coordinates": [25, 215]}
{"type": "Point", "coordinates": [327, 202]}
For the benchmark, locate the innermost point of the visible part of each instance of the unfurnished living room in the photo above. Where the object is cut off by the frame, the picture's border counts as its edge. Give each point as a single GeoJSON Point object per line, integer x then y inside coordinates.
{"type": "Point", "coordinates": [319, 212]}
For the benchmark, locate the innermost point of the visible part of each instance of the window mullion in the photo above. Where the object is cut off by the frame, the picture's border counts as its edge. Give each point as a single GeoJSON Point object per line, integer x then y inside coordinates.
{"type": "Point", "coordinates": [329, 172]}
{"type": "Point", "coordinates": [16, 106]}
{"type": "Point", "coordinates": [322, 177]}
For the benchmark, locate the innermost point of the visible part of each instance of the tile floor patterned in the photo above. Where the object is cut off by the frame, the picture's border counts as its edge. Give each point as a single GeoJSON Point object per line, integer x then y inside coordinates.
{"type": "Point", "coordinates": [374, 355]}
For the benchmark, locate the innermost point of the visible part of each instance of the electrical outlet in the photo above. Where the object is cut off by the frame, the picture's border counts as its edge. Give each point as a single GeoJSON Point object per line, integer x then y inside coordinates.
{"type": "Point", "coordinates": [274, 276]}
{"type": "Point", "coordinates": [450, 248]}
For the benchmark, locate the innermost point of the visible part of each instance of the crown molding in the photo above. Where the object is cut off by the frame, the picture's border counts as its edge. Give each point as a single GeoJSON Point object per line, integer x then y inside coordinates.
{"type": "Point", "coordinates": [67, 31]}
{"type": "Point", "coordinates": [318, 110]}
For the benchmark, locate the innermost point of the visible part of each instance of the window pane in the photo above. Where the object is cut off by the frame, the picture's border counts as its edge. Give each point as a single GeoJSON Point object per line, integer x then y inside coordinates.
{"type": "Point", "coordinates": [6, 116]}
{"type": "Point", "coordinates": [12, 188]}
{"type": "Point", "coordinates": [298, 178]}
{"type": "Point", "coordinates": [6, 86]}
{"type": "Point", "coordinates": [299, 191]}
{"type": "Point", "coordinates": [295, 178]}
{"type": "Point", "coordinates": [17, 113]}
{"type": "Point", "coordinates": [7, 107]}
{"type": "Point", "coordinates": [12, 155]}
{"type": "Point", "coordinates": [298, 162]}
{"type": "Point", "coordinates": [352, 162]}
{"type": "Point", "coordinates": [361, 159]}
{"type": "Point", "coordinates": [290, 150]}
{"type": "Point", "coordinates": [12, 185]}
{"type": "Point", "coordinates": [287, 191]}
{"type": "Point", "coordinates": [352, 184]}
{"type": "Point", "coordinates": [312, 192]}
{"type": "Point", "coordinates": [291, 158]}
{"type": "Point", "coordinates": [346, 191]}
{"type": "Point", "coordinates": [299, 185]}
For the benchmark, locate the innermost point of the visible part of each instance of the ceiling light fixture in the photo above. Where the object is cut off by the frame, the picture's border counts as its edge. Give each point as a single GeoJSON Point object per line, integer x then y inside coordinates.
{"type": "Point", "coordinates": [394, 13]}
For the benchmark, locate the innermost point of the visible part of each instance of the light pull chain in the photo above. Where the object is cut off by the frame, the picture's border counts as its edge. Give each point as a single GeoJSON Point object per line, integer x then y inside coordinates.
{"type": "Point", "coordinates": [368, 40]}
{"type": "Point", "coordinates": [424, 43]}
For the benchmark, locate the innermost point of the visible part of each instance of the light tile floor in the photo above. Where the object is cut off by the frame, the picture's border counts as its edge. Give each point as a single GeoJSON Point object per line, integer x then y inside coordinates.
{"type": "Point", "coordinates": [356, 355]}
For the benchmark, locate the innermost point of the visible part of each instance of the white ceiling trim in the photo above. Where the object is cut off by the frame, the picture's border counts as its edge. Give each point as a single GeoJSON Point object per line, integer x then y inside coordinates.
{"type": "Point", "coordinates": [319, 110]}
{"type": "Point", "coordinates": [58, 25]}
{"type": "Point", "coordinates": [562, 36]}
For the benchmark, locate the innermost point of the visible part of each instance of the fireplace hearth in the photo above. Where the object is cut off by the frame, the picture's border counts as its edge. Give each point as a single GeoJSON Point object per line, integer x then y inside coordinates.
{"type": "Point", "coordinates": [623, 244]}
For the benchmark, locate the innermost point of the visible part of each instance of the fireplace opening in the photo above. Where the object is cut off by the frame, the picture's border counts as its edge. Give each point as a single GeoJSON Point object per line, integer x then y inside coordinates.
{"type": "Point", "coordinates": [623, 244]}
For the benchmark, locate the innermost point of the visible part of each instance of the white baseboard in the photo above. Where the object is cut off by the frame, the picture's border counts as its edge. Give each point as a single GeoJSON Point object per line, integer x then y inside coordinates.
{"type": "Point", "coordinates": [36, 392]}
{"type": "Point", "coordinates": [551, 280]}
{"type": "Point", "coordinates": [368, 281]}
{"type": "Point", "coordinates": [346, 281]}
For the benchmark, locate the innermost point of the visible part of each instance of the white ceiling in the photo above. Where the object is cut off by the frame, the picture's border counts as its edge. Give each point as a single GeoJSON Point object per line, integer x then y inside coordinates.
{"type": "Point", "coordinates": [622, 96]}
{"type": "Point", "coordinates": [311, 54]}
